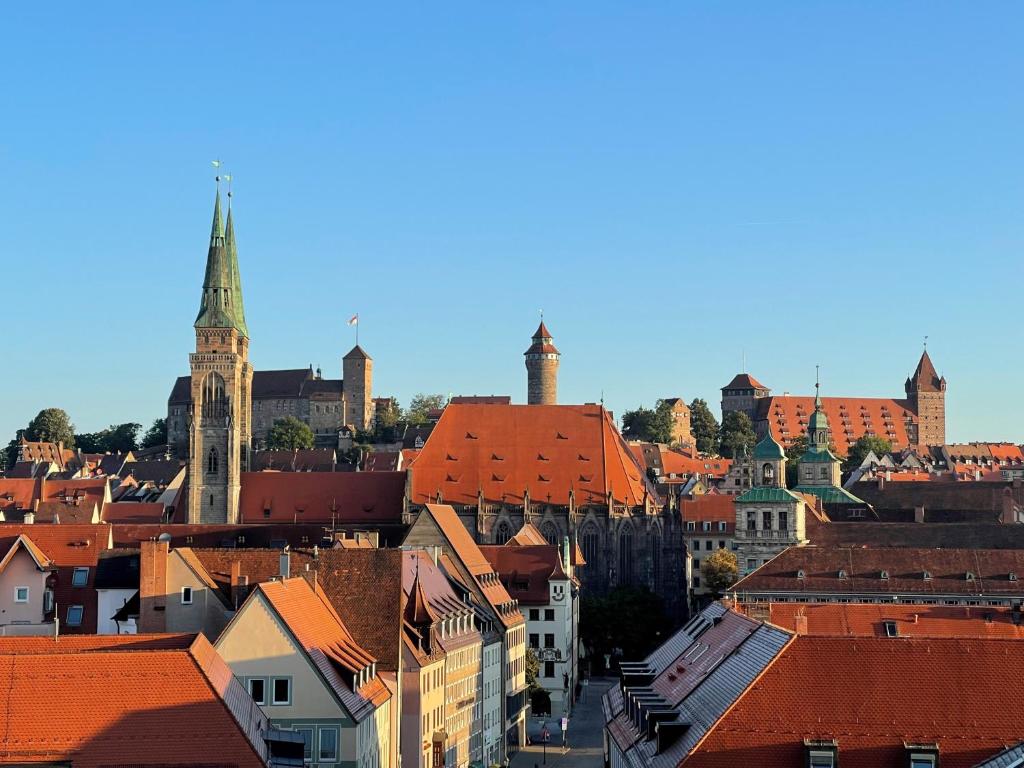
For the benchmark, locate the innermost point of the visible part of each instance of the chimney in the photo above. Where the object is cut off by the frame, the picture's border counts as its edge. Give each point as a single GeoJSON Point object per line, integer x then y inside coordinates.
{"type": "Point", "coordinates": [236, 580]}
{"type": "Point", "coordinates": [30, 515]}
{"type": "Point", "coordinates": [881, 482]}
{"type": "Point", "coordinates": [800, 624]}
{"type": "Point", "coordinates": [434, 551]}
{"type": "Point", "coordinates": [153, 586]}
{"type": "Point", "coordinates": [977, 474]}
{"type": "Point", "coordinates": [914, 618]}
{"type": "Point", "coordinates": [286, 563]}
{"type": "Point", "coordinates": [919, 513]}
{"type": "Point", "coordinates": [1008, 513]}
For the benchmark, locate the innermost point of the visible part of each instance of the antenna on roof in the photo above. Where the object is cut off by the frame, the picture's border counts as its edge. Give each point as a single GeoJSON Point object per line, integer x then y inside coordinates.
{"type": "Point", "coordinates": [743, 360]}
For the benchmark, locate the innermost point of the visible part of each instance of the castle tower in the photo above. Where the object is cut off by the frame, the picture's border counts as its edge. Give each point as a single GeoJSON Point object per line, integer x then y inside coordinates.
{"type": "Point", "coordinates": [542, 369]}
{"type": "Point", "coordinates": [220, 415]}
{"type": "Point", "coordinates": [926, 393]}
{"type": "Point", "coordinates": [357, 372]}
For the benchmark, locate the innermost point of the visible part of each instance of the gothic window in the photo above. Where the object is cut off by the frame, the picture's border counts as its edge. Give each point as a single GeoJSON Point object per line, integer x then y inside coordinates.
{"type": "Point", "coordinates": [626, 557]}
{"type": "Point", "coordinates": [550, 533]}
{"type": "Point", "coordinates": [214, 396]}
{"type": "Point", "coordinates": [211, 462]}
{"type": "Point", "coordinates": [767, 474]}
{"type": "Point", "coordinates": [591, 543]}
{"type": "Point", "coordinates": [766, 519]}
{"type": "Point", "coordinates": [503, 533]}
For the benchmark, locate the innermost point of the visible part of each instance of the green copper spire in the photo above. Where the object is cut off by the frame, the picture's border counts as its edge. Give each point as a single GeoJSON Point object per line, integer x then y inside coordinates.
{"type": "Point", "coordinates": [221, 305]}
{"type": "Point", "coordinates": [236, 277]}
{"type": "Point", "coordinates": [819, 435]}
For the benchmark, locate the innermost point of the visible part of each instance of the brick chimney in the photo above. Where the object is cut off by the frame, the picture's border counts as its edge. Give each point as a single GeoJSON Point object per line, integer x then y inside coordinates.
{"type": "Point", "coordinates": [800, 624]}
{"type": "Point", "coordinates": [153, 586]}
{"type": "Point", "coordinates": [239, 584]}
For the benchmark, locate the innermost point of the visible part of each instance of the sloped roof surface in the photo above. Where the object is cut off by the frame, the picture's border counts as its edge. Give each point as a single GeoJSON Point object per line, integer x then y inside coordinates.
{"type": "Point", "coordinates": [265, 385]}
{"type": "Point", "coordinates": [526, 571]}
{"type": "Point", "coordinates": [322, 497]}
{"type": "Point", "coordinates": [506, 450]}
{"type": "Point", "coordinates": [744, 381]}
{"type": "Point", "coordinates": [850, 418]}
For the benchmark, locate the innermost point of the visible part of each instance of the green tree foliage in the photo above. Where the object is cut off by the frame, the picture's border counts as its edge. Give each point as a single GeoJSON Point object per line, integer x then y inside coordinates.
{"type": "Point", "coordinates": [9, 457]}
{"type": "Point", "coordinates": [289, 434]}
{"type": "Point", "coordinates": [51, 425]}
{"type": "Point", "coordinates": [719, 570]}
{"type": "Point", "coordinates": [385, 426]}
{"type": "Point", "coordinates": [156, 434]}
{"type": "Point", "coordinates": [650, 425]}
{"type": "Point", "coordinates": [626, 619]}
{"type": "Point", "coordinates": [421, 406]}
{"type": "Point", "coordinates": [866, 444]}
{"type": "Point", "coordinates": [117, 438]}
{"type": "Point", "coordinates": [704, 426]}
{"type": "Point", "coordinates": [796, 449]}
{"type": "Point", "coordinates": [532, 671]}
{"type": "Point", "coordinates": [736, 434]}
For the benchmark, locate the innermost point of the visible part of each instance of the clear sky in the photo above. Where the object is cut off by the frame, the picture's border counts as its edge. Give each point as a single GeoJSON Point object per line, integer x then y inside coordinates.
{"type": "Point", "coordinates": [675, 184]}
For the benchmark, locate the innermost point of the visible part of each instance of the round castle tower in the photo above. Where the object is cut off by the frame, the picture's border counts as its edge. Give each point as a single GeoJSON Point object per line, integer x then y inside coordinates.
{"type": "Point", "coordinates": [542, 369]}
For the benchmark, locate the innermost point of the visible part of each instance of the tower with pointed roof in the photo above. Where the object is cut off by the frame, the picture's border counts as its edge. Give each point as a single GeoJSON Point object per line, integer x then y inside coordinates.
{"type": "Point", "coordinates": [542, 369]}
{"type": "Point", "coordinates": [357, 375]}
{"type": "Point", "coordinates": [220, 413]}
{"type": "Point", "coordinates": [926, 396]}
{"type": "Point", "coordinates": [819, 466]}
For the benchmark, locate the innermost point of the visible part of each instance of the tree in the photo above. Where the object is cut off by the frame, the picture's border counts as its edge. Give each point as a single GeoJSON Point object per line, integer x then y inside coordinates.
{"type": "Point", "coordinates": [532, 670]}
{"type": "Point", "coordinates": [117, 438]}
{"type": "Point", "coordinates": [866, 444]}
{"type": "Point", "coordinates": [289, 434]}
{"type": "Point", "coordinates": [704, 426]}
{"type": "Point", "coordinates": [51, 425]}
{"type": "Point", "coordinates": [719, 570]}
{"type": "Point", "coordinates": [10, 454]}
{"type": "Point", "coordinates": [385, 423]}
{"type": "Point", "coordinates": [652, 426]}
{"type": "Point", "coordinates": [419, 411]}
{"type": "Point", "coordinates": [796, 449]}
{"type": "Point", "coordinates": [156, 434]}
{"type": "Point", "coordinates": [736, 434]}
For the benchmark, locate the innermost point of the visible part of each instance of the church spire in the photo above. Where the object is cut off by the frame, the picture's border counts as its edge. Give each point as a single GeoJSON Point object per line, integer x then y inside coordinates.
{"type": "Point", "coordinates": [236, 277]}
{"type": "Point", "coordinates": [221, 305]}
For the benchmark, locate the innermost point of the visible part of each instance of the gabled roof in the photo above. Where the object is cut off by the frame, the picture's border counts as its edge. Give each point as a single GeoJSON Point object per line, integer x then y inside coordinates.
{"type": "Point", "coordinates": [306, 460]}
{"type": "Point", "coordinates": [548, 450]}
{"type": "Point", "coordinates": [133, 512]}
{"type": "Point", "coordinates": [744, 381]}
{"type": "Point", "coordinates": [321, 633]}
{"type": "Point", "coordinates": [830, 494]}
{"type": "Point", "coordinates": [125, 700]}
{"type": "Point", "coordinates": [709, 508]}
{"type": "Point", "coordinates": [23, 542]}
{"type": "Point", "coordinates": [526, 571]}
{"type": "Point", "coordinates": [527, 536]}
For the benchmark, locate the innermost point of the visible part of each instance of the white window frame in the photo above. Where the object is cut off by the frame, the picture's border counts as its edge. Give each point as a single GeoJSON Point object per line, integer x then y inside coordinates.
{"type": "Point", "coordinates": [190, 595]}
{"type": "Point", "coordinates": [273, 692]}
{"type": "Point", "coordinates": [21, 600]}
{"type": "Point", "coordinates": [76, 573]}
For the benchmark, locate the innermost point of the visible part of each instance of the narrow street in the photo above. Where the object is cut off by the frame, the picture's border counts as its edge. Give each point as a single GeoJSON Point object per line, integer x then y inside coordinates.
{"type": "Point", "coordinates": [583, 737]}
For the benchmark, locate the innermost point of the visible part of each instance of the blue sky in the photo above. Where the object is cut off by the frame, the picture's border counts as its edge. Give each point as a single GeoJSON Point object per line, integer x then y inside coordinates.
{"type": "Point", "coordinates": [675, 184]}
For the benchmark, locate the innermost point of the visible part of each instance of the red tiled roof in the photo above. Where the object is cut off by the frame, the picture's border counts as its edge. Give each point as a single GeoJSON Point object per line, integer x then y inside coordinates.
{"type": "Point", "coordinates": [383, 461]}
{"type": "Point", "coordinates": [709, 508]}
{"type": "Point", "coordinates": [46, 452]}
{"type": "Point", "coordinates": [744, 381]}
{"type": "Point", "coordinates": [527, 536]}
{"type": "Point", "coordinates": [850, 418]}
{"type": "Point", "coordinates": [925, 376]}
{"type": "Point", "coordinates": [18, 493]}
{"type": "Point", "coordinates": [84, 492]}
{"type": "Point", "coordinates": [322, 497]}
{"type": "Point", "coordinates": [678, 463]}
{"type": "Point", "coordinates": [525, 571]}
{"type": "Point", "coordinates": [212, 535]}
{"type": "Point", "coordinates": [132, 512]}
{"type": "Point", "coordinates": [506, 450]}
{"type": "Point", "coordinates": [481, 400]}
{"type": "Point", "coordinates": [124, 700]}
{"type": "Point", "coordinates": [872, 695]}
{"type": "Point", "coordinates": [867, 620]}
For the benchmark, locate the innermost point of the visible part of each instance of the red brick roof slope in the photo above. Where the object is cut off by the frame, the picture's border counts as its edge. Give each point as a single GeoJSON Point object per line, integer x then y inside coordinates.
{"type": "Point", "coordinates": [322, 497]}
{"type": "Point", "coordinates": [889, 570]}
{"type": "Point", "coordinates": [94, 643]}
{"type": "Point", "coordinates": [481, 400]}
{"type": "Point", "coordinates": [709, 508]}
{"type": "Point", "coordinates": [506, 450]}
{"type": "Point", "coordinates": [88, 491]}
{"type": "Point", "coordinates": [132, 512]}
{"type": "Point", "coordinates": [868, 620]}
{"type": "Point", "coordinates": [850, 418]}
{"type": "Point", "coordinates": [211, 535]}
{"type": "Point", "coordinates": [679, 463]}
{"type": "Point", "coordinates": [525, 571]}
{"type": "Point", "coordinates": [744, 381]}
{"type": "Point", "coordinates": [124, 704]}
{"type": "Point", "coordinates": [18, 493]}
{"type": "Point", "coordinates": [872, 695]}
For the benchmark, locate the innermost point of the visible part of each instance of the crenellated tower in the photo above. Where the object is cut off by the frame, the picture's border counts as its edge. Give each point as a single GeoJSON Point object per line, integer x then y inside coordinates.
{"type": "Point", "coordinates": [542, 369]}
{"type": "Point", "coordinates": [221, 404]}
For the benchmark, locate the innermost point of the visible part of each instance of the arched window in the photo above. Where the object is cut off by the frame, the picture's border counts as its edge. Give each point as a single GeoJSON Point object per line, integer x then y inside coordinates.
{"type": "Point", "coordinates": [767, 474]}
{"type": "Point", "coordinates": [215, 401]}
{"type": "Point", "coordinates": [591, 544]}
{"type": "Point", "coordinates": [502, 533]}
{"type": "Point", "coordinates": [211, 462]}
{"type": "Point", "coordinates": [550, 533]}
{"type": "Point", "coordinates": [626, 557]}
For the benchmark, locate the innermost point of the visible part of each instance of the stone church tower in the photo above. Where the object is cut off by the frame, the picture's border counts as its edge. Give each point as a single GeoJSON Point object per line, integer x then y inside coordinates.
{"type": "Point", "coordinates": [542, 369]}
{"type": "Point", "coordinates": [221, 409]}
{"type": "Point", "coordinates": [357, 374]}
{"type": "Point", "coordinates": [926, 394]}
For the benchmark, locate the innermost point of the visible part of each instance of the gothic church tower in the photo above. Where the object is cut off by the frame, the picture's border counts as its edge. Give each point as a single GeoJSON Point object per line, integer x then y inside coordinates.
{"type": "Point", "coordinates": [542, 369]}
{"type": "Point", "coordinates": [220, 420]}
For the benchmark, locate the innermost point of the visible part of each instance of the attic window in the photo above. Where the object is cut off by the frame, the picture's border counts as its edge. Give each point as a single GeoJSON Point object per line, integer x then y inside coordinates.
{"type": "Point", "coordinates": [449, 457]}
{"type": "Point", "coordinates": [969, 576]}
{"type": "Point", "coordinates": [884, 575]}
{"type": "Point", "coordinates": [1012, 576]}
{"type": "Point", "coordinates": [541, 457]}
{"type": "Point", "coordinates": [450, 479]}
{"type": "Point", "coordinates": [560, 436]}
{"type": "Point", "coordinates": [470, 436]}
{"type": "Point", "coordinates": [891, 630]}
{"type": "Point", "coordinates": [498, 478]}
{"type": "Point", "coordinates": [800, 573]}
{"type": "Point", "coordinates": [496, 457]}
{"type": "Point", "coordinates": [581, 457]}
{"type": "Point", "coordinates": [842, 574]}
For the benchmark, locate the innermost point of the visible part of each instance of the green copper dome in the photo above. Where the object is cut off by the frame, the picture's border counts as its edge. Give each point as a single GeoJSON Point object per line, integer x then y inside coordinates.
{"type": "Point", "coordinates": [768, 448]}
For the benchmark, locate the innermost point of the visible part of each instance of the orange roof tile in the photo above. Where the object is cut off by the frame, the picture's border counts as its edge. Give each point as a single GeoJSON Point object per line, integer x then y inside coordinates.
{"type": "Point", "coordinates": [849, 418]}
{"type": "Point", "coordinates": [709, 508]}
{"type": "Point", "coordinates": [18, 493]}
{"type": "Point", "coordinates": [872, 695]}
{"type": "Point", "coordinates": [507, 450]}
{"type": "Point", "coordinates": [124, 701]}
{"type": "Point", "coordinates": [24, 542]}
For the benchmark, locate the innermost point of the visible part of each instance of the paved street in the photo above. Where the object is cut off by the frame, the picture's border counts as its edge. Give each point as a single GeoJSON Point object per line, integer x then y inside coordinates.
{"type": "Point", "coordinates": [584, 737]}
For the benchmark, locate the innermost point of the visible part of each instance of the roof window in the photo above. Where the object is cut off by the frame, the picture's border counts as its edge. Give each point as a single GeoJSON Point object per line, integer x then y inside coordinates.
{"type": "Point", "coordinates": [1013, 576]}
{"type": "Point", "coordinates": [800, 573]}
{"type": "Point", "coordinates": [891, 630]}
{"type": "Point", "coordinates": [821, 753]}
{"type": "Point", "coordinates": [885, 575]}
{"type": "Point", "coordinates": [969, 576]}
{"type": "Point", "coordinates": [842, 573]}
{"type": "Point", "coordinates": [927, 575]}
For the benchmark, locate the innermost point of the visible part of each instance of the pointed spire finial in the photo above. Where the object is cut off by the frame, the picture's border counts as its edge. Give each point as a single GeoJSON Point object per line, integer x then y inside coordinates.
{"type": "Point", "coordinates": [817, 387]}
{"type": "Point", "coordinates": [925, 343]}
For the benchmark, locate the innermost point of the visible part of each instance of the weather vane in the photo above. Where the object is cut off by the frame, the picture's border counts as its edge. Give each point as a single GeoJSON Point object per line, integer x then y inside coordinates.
{"type": "Point", "coordinates": [222, 177]}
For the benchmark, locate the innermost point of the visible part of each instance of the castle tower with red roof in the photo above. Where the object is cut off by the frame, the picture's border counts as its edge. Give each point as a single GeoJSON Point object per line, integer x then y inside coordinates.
{"type": "Point", "coordinates": [220, 412]}
{"type": "Point", "coordinates": [926, 394]}
{"type": "Point", "coordinates": [542, 369]}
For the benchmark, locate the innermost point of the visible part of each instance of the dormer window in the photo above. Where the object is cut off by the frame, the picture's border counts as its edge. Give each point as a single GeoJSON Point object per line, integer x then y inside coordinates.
{"type": "Point", "coordinates": [884, 575]}
{"type": "Point", "coordinates": [842, 574]}
{"type": "Point", "coordinates": [800, 573]}
{"type": "Point", "coordinates": [891, 630]}
{"type": "Point", "coordinates": [1013, 576]}
{"type": "Point", "coordinates": [969, 576]}
{"type": "Point", "coordinates": [927, 576]}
